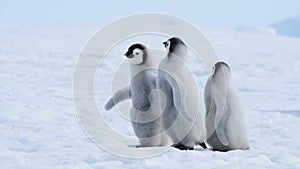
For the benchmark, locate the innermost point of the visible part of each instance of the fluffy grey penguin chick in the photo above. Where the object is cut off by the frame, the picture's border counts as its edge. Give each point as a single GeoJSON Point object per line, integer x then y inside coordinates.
{"type": "Point", "coordinates": [145, 113]}
{"type": "Point", "coordinates": [226, 119]}
{"type": "Point", "coordinates": [184, 115]}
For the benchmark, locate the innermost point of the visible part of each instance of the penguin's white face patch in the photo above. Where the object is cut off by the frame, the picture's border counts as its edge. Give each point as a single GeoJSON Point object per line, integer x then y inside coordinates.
{"type": "Point", "coordinates": [213, 69]}
{"type": "Point", "coordinates": [138, 57]}
{"type": "Point", "coordinates": [167, 45]}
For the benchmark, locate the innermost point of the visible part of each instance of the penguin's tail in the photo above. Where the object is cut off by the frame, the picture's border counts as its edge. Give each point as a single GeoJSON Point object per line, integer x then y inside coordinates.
{"type": "Point", "coordinates": [120, 95]}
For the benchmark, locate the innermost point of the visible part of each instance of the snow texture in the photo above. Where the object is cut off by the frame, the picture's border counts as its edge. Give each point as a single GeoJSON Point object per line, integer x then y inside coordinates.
{"type": "Point", "coordinates": [39, 126]}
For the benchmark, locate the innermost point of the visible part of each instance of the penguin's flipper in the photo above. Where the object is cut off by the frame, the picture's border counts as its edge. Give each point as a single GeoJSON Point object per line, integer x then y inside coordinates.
{"type": "Point", "coordinates": [207, 96]}
{"type": "Point", "coordinates": [221, 117]}
{"type": "Point", "coordinates": [117, 97]}
{"type": "Point", "coordinates": [177, 93]}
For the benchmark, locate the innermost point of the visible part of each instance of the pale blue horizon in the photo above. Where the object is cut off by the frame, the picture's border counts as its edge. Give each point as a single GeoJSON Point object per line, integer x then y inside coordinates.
{"type": "Point", "coordinates": [221, 13]}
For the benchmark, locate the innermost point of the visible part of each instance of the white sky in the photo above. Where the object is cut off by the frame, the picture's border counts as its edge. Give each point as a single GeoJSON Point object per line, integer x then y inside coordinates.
{"type": "Point", "coordinates": [215, 13]}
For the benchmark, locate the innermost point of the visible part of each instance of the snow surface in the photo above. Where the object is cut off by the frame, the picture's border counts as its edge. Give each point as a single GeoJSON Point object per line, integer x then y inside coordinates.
{"type": "Point", "coordinates": [39, 126]}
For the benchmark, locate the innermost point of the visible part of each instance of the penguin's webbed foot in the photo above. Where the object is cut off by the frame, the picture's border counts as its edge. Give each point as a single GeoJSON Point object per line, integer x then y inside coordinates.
{"type": "Point", "coordinates": [219, 150]}
{"type": "Point", "coordinates": [203, 145]}
{"type": "Point", "coordinates": [182, 147]}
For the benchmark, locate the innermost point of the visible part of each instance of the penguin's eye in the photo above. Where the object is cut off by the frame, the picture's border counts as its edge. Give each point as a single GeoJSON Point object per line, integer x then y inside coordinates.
{"type": "Point", "coordinates": [166, 44]}
{"type": "Point", "coordinates": [137, 53]}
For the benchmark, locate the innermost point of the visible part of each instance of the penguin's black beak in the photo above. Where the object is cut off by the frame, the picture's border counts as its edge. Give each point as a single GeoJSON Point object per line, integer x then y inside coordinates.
{"type": "Point", "coordinates": [126, 54]}
{"type": "Point", "coordinates": [165, 44]}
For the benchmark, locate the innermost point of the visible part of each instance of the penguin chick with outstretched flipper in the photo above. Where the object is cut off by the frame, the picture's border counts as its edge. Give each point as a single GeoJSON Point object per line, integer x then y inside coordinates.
{"type": "Point", "coordinates": [145, 113]}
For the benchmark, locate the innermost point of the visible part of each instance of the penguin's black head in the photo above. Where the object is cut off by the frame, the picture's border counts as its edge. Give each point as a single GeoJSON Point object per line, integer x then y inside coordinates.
{"type": "Point", "coordinates": [172, 44]}
{"type": "Point", "coordinates": [136, 53]}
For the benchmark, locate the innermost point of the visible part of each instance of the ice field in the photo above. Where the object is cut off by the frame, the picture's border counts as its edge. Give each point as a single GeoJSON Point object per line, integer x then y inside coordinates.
{"type": "Point", "coordinates": [38, 121]}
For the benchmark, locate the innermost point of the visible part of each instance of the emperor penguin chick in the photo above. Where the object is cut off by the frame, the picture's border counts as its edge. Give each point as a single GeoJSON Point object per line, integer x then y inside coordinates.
{"type": "Point", "coordinates": [145, 114]}
{"type": "Point", "coordinates": [226, 119]}
{"type": "Point", "coordinates": [184, 115]}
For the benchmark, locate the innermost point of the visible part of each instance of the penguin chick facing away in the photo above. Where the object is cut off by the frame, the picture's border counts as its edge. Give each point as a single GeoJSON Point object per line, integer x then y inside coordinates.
{"type": "Point", "coordinates": [226, 119]}
{"type": "Point", "coordinates": [145, 113]}
{"type": "Point", "coordinates": [183, 118]}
